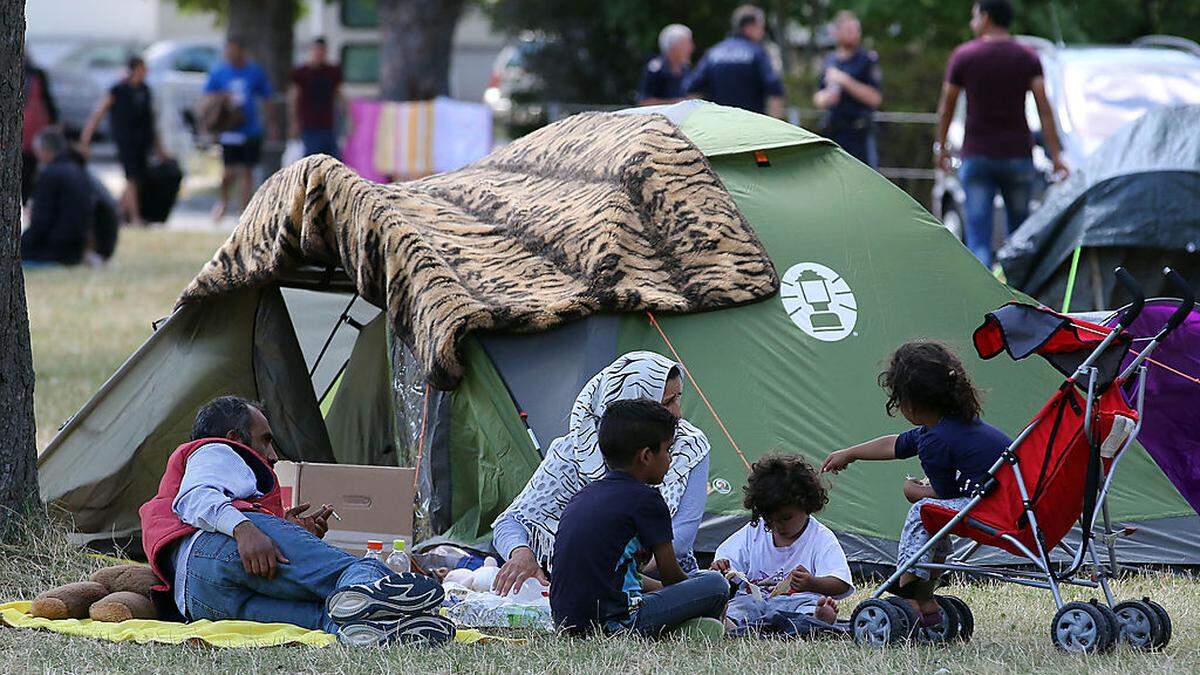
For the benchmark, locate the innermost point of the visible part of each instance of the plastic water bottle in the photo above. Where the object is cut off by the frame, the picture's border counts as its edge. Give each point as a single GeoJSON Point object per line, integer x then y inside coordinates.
{"type": "Point", "coordinates": [374, 550]}
{"type": "Point", "coordinates": [398, 560]}
{"type": "Point", "coordinates": [530, 592]}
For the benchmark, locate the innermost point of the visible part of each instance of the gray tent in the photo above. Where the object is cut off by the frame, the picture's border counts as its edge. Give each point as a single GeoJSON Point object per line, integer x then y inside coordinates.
{"type": "Point", "coordinates": [1134, 203]}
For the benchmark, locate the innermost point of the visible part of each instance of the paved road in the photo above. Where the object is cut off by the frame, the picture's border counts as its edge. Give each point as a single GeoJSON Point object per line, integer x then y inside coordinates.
{"type": "Point", "coordinates": [197, 195]}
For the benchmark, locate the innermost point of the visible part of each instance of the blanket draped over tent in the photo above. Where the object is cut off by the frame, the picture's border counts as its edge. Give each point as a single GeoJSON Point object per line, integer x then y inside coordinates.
{"type": "Point", "coordinates": [597, 213]}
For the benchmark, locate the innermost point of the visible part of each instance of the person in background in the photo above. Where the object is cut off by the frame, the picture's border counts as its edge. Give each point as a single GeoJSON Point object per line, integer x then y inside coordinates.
{"type": "Point", "coordinates": [245, 85]}
{"type": "Point", "coordinates": [313, 99]}
{"type": "Point", "coordinates": [662, 78]}
{"type": "Point", "coordinates": [60, 223]}
{"type": "Point", "coordinates": [849, 90]}
{"type": "Point", "coordinates": [737, 71]}
{"type": "Point", "coordinates": [131, 121]}
{"type": "Point", "coordinates": [40, 112]}
{"type": "Point", "coordinates": [996, 72]}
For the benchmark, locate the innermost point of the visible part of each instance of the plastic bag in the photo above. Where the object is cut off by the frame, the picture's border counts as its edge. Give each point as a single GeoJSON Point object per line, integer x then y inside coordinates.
{"type": "Point", "coordinates": [292, 152]}
{"type": "Point", "coordinates": [488, 610]}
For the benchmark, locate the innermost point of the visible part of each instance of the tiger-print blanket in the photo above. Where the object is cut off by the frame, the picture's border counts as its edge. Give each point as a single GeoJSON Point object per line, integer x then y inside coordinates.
{"type": "Point", "coordinates": [600, 212]}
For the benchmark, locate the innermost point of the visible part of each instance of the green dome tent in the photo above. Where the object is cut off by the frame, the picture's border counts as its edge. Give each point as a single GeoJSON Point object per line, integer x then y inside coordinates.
{"type": "Point", "coordinates": [861, 267]}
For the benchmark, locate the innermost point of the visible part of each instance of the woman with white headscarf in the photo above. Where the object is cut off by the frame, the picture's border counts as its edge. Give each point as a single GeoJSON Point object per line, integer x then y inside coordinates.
{"type": "Point", "coordinates": [524, 533]}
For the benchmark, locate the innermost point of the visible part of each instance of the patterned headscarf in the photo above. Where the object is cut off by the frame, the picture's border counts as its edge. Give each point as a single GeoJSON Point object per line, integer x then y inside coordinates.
{"type": "Point", "coordinates": [574, 460]}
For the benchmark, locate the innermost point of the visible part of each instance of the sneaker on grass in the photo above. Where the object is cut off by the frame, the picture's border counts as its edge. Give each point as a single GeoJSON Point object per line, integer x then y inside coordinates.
{"type": "Point", "coordinates": [415, 630]}
{"type": "Point", "coordinates": [395, 596]}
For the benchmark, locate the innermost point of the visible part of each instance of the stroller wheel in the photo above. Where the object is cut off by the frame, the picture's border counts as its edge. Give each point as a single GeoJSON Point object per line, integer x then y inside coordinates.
{"type": "Point", "coordinates": [877, 623]}
{"type": "Point", "coordinates": [966, 620]}
{"type": "Point", "coordinates": [1081, 627]}
{"type": "Point", "coordinates": [945, 632]}
{"type": "Point", "coordinates": [910, 618]}
{"type": "Point", "coordinates": [1114, 625]}
{"type": "Point", "coordinates": [1139, 623]}
{"type": "Point", "coordinates": [1164, 620]}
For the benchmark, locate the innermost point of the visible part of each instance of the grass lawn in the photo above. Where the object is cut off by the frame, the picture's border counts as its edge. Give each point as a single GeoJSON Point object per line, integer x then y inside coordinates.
{"type": "Point", "coordinates": [85, 323]}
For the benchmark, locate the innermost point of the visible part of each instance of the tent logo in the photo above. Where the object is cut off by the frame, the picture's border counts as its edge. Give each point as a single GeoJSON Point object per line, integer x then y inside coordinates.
{"type": "Point", "coordinates": [720, 486]}
{"type": "Point", "coordinates": [819, 301]}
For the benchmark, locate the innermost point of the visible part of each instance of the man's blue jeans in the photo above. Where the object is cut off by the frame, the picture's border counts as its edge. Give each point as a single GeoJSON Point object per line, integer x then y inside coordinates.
{"type": "Point", "coordinates": [981, 177]}
{"type": "Point", "coordinates": [218, 587]}
{"type": "Point", "coordinates": [702, 594]}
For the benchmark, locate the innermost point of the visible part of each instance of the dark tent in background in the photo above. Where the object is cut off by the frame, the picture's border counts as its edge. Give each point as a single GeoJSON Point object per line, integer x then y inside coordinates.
{"type": "Point", "coordinates": [1134, 203]}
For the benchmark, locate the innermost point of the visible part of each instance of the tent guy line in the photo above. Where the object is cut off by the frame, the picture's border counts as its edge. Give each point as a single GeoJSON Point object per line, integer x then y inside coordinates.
{"type": "Point", "coordinates": [688, 371]}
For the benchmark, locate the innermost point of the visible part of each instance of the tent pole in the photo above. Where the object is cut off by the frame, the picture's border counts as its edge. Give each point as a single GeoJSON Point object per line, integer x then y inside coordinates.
{"type": "Point", "coordinates": [1066, 303]}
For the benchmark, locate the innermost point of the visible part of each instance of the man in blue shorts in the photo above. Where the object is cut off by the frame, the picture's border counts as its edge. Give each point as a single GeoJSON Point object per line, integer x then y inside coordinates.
{"type": "Point", "coordinates": [244, 84]}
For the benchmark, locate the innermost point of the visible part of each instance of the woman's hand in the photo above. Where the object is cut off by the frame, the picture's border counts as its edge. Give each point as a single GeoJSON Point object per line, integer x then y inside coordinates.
{"type": "Point", "coordinates": [721, 565]}
{"type": "Point", "coordinates": [521, 565]}
{"type": "Point", "coordinates": [837, 461]}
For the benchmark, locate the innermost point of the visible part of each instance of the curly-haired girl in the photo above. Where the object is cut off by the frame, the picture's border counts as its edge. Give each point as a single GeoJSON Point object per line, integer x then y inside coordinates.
{"type": "Point", "coordinates": [927, 383]}
{"type": "Point", "coordinates": [784, 550]}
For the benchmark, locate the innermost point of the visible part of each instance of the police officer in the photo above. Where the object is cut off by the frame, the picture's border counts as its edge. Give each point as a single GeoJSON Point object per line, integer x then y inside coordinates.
{"type": "Point", "coordinates": [849, 90]}
{"type": "Point", "coordinates": [662, 78]}
{"type": "Point", "coordinates": [737, 71]}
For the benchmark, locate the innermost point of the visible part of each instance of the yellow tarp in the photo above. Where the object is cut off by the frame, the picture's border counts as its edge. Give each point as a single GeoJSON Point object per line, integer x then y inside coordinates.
{"type": "Point", "coordinates": [216, 633]}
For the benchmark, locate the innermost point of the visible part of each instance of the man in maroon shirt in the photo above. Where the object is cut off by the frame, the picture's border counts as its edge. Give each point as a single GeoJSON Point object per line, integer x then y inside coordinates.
{"type": "Point", "coordinates": [312, 99]}
{"type": "Point", "coordinates": [996, 72]}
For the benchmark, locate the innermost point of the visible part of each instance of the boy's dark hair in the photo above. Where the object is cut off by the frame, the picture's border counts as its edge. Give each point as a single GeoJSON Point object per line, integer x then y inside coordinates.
{"type": "Point", "coordinates": [781, 481]}
{"type": "Point", "coordinates": [630, 425]}
{"type": "Point", "coordinates": [221, 415]}
{"type": "Point", "coordinates": [135, 62]}
{"type": "Point", "coordinates": [927, 375]}
{"type": "Point", "coordinates": [999, 11]}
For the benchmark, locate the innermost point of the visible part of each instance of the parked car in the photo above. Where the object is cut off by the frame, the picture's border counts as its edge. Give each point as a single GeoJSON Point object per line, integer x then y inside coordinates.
{"type": "Point", "coordinates": [513, 93]}
{"type": "Point", "coordinates": [1094, 90]}
{"type": "Point", "coordinates": [176, 71]}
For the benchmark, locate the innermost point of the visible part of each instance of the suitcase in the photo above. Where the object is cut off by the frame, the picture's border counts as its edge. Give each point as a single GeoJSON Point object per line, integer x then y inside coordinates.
{"type": "Point", "coordinates": [159, 190]}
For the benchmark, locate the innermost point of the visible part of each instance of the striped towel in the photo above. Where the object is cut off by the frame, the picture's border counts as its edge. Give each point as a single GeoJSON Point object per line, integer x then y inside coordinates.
{"type": "Point", "coordinates": [404, 140]}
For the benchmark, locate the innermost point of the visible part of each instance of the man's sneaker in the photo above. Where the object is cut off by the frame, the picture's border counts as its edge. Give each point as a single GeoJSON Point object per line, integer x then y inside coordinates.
{"type": "Point", "coordinates": [395, 596]}
{"type": "Point", "coordinates": [425, 629]}
{"type": "Point", "coordinates": [705, 628]}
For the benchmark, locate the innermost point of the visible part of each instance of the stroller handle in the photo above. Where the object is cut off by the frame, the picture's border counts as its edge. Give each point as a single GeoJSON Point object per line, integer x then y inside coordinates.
{"type": "Point", "coordinates": [1185, 305]}
{"type": "Point", "coordinates": [1139, 296]}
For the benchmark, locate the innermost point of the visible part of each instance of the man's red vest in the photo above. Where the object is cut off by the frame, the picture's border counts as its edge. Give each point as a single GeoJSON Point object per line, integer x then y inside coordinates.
{"type": "Point", "coordinates": [161, 527]}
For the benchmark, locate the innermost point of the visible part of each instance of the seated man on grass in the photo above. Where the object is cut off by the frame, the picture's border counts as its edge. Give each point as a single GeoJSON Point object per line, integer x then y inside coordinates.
{"type": "Point", "coordinates": [611, 522]}
{"type": "Point", "coordinates": [219, 539]}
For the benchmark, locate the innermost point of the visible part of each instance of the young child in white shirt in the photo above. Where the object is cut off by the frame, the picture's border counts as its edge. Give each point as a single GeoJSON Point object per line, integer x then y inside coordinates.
{"type": "Point", "coordinates": [794, 562]}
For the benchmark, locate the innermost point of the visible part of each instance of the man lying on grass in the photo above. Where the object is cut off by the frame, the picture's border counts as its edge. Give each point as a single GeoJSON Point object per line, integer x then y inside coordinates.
{"type": "Point", "coordinates": [217, 536]}
{"type": "Point", "coordinates": [612, 522]}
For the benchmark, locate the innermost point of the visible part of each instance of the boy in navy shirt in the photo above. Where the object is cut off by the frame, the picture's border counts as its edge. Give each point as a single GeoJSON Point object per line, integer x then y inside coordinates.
{"type": "Point", "coordinates": [610, 524]}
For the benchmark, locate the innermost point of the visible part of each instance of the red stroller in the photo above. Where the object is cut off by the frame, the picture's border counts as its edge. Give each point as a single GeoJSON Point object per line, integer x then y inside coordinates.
{"type": "Point", "coordinates": [1056, 474]}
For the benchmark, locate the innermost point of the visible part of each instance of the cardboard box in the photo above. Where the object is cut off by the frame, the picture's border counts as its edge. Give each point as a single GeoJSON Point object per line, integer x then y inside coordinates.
{"type": "Point", "coordinates": [375, 502]}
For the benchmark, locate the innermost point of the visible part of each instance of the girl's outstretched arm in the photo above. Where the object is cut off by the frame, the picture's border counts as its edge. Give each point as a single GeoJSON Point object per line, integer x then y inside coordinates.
{"type": "Point", "coordinates": [883, 447]}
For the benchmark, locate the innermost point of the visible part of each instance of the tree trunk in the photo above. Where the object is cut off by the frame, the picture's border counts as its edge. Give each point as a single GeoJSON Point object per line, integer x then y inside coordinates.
{"type": "Point", "coordinates": [18, 453]}
{"type": "Point", "coordinates": [415, 39]}
{"type": "Point", "coordinates": [265, 27]}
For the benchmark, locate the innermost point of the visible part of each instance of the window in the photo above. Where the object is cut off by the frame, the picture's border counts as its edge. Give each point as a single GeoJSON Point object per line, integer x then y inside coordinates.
{"type": "Point", "coordinates": [197, 59]}
{"type": "Point", "coordinates": [360, 14]}
{"type": "Point", "coordinates": [360, 63]}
